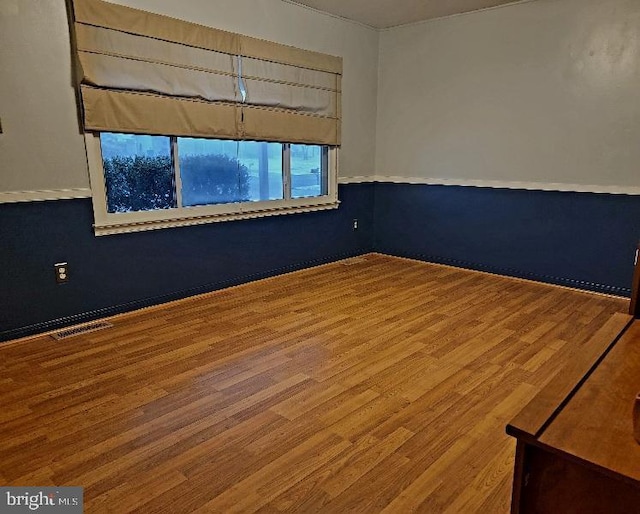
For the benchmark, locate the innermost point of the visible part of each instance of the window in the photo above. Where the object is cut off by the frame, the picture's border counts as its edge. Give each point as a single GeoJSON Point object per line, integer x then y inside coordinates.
{"type": "Point", "coordinates": [143, 182]}
{"type": "Point", "coordinates": [190, 124]}
{"type": "Point", "coordinates": [138, 174]}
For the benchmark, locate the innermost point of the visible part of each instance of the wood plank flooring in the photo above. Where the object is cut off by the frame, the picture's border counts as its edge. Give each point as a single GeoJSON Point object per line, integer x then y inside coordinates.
{"type": "Point", "coordinates": [376, 384]}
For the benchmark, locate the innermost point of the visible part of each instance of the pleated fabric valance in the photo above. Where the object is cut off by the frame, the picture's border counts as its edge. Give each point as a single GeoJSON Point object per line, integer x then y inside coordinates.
{"type": "Point", "coordinates": [146, 73]}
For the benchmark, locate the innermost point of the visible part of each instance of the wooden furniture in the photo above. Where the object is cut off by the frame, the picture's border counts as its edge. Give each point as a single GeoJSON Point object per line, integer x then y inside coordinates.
{"type": "Point", "coordinates": [576, 451]}
{"type": "Point", "coordinates": [634, 306]}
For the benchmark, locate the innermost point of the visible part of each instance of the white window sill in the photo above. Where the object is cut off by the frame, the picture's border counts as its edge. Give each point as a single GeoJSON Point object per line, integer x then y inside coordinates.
{"type": "Point", "coordinates": [113, 227]}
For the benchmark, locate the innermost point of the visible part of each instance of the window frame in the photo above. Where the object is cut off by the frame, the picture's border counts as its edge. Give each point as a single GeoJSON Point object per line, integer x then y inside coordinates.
{"type": "Point", "coordinates": [106, 223]}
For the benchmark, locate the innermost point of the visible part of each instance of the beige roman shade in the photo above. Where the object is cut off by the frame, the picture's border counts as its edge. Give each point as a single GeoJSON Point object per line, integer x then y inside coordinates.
{"type": "Point", "coordinates": [145, 73]}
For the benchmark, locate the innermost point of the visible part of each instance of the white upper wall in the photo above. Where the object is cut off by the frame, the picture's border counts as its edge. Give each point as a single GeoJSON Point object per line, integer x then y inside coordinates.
{"type": "Point", "coordinates": [539, 92]}
{"type": "Point", "coordinates": [42, 148]}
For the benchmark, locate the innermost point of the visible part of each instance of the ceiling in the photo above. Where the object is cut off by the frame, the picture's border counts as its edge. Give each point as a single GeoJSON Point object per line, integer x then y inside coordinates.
{"type": "Point", "coordinates": [383, 14]}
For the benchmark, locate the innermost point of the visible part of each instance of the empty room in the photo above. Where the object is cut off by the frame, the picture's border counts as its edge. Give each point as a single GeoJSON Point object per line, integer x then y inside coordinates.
{"type": "Point", "coordinates": [320, 256]}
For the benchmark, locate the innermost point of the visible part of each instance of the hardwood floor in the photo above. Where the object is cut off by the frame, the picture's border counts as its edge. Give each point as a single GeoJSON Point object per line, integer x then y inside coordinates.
{"type": "Point", "coordinates": [375, 384]}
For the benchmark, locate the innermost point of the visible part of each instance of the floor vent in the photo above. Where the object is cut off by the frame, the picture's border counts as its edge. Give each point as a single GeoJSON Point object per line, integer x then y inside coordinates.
{"type": "Point", "coordinates": [82, 329]}
{"type": "Point", "coordinates": [353, 261]}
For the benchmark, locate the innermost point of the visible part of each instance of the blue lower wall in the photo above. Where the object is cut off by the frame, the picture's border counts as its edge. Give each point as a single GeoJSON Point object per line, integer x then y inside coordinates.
{"type": "Point", "coordinates": [582, 240]}
{"type": "Point", "coordinates": [117, 273]}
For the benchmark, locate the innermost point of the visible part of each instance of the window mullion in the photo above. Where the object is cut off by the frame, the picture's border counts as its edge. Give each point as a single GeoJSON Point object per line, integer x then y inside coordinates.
{"type": "Point", "coordinates": [324, 171]}
{"type": "Point", "coordinates": [176, 171]}
{"type": "Point", "coordinates": [286, 170]}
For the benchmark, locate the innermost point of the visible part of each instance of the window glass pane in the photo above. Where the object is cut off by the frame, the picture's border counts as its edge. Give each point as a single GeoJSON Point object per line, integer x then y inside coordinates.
{"type": "Point", "coordinates": [216, 171]}
{"type": "Point", "coordinates": [264, 162]}
{"type": "Point", "coordinates": [307, 176]}
{"type": "Point", "coordinates": [138, 172]}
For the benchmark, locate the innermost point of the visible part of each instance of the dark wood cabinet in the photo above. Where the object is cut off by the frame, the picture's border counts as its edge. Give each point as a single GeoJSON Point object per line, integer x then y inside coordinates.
{"type": "Point", "coordinates": [634, 306]}
{"type": "Point", "coordinates": [575, 447]}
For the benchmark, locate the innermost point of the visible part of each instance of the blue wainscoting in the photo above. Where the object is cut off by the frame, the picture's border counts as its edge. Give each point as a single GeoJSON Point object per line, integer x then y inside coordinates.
{"type": "Point", "coordinates": [583, 240]}
{"type": "Point", "coordinates": [113, 274]}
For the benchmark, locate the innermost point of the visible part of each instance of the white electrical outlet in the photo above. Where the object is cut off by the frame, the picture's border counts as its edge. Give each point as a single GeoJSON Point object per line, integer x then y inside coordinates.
{"type": "Point", "coordinates": [62, 272]}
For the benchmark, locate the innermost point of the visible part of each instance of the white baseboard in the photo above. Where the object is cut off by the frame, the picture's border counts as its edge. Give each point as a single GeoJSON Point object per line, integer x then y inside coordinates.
{"type": "Point", "coordinates": [495, 184]}
{"type": "Point", "coordinates": [66, 194]}
{"type": "Point", "coordinates": [356, 180]}
{"type": "Point", "coordinates": [44, 194]}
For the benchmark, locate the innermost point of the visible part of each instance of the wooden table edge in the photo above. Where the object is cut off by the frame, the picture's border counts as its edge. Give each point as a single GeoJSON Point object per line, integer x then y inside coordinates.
{"type": "Point", "coordinates": [532, 420]}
